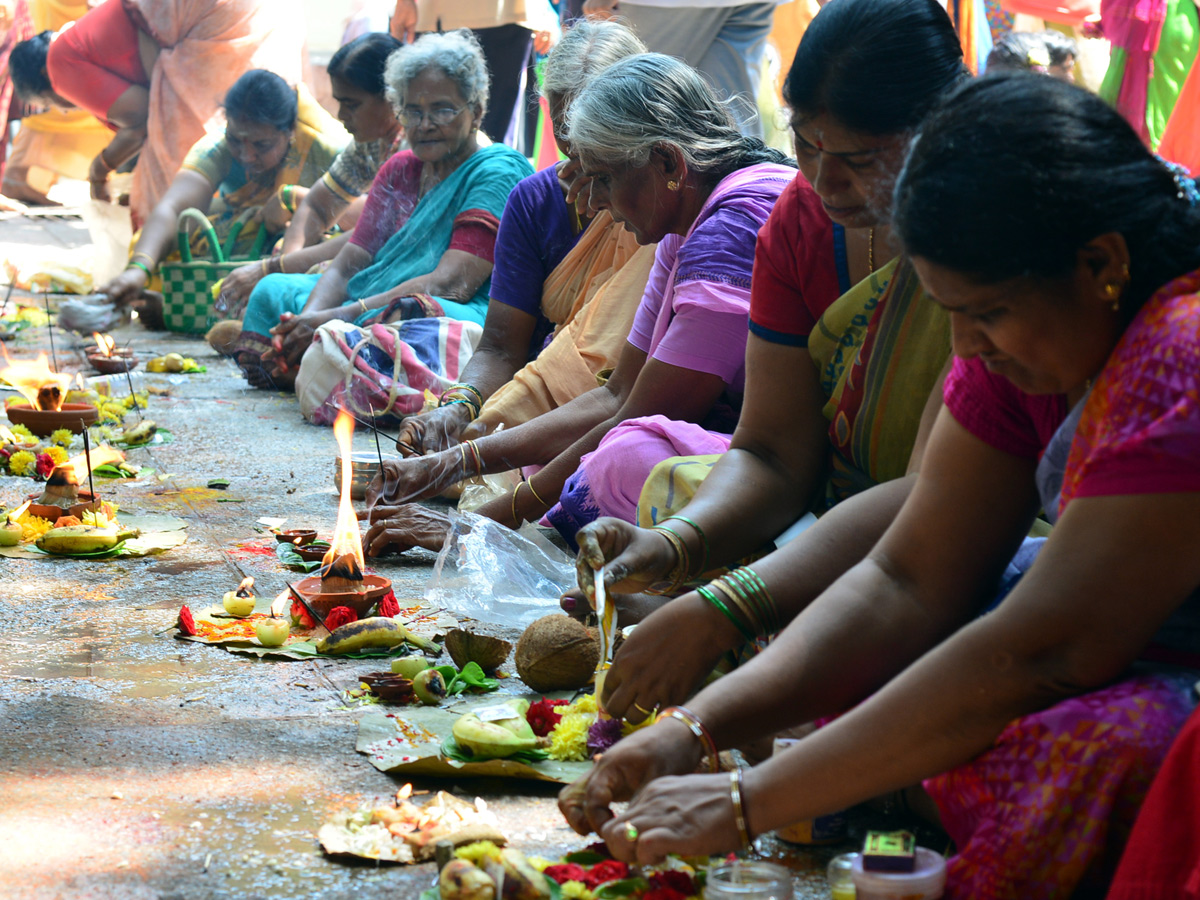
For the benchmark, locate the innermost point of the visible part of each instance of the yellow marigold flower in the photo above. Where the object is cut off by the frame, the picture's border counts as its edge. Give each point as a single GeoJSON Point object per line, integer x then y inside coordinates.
{"type": "Point", "coordinates": [22, 463]}
{"type": "Point", "coordinates": [63, 437]}
{"type": "Point", "coordinates": [23, 432]}
{"type": "Point", "coordinates": [576, 890]}
{"type": "Point", "coordinates": [33, 527]}
{"type": "Point", "coordinates": [56, 453]}
{"type": "Point", "coordinates": [585, 704]}
{"type": "Point", "coordinates": [568, 740]}
{"type": "Point", "coordinates": [478, 851]}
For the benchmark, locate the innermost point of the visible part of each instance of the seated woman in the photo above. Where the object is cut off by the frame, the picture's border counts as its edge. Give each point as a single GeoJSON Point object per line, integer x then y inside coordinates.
{"type": "Point", "coordinates": [423, 246]}
{"type": "Point", "coordinates": [858, 374]}
{"type": "Point", "coordinates": [1037, 726]}
{"type": "Point", "coordinates": [155, 71]}
{"type": "Point", "coordinates": [666, 158]}
{"type": "Point", "coordinates": [550, 308]}
{"type": "Point", "coordinates": [356, 75]}
{"type": "Point", "coordinates": [275, 134]}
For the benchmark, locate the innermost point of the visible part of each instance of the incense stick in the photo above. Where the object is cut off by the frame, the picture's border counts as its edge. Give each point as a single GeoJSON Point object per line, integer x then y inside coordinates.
{"type": "Point", "coordinates": [50, 329]}
{"type": "Point", "coordinates": [320, 620]}
{"type": "Point", "coordinates": [129, 378]}
{"type": "Point", "coordinates": [378, 452]}
{"type": "Point", "coordinates": [87, 453]}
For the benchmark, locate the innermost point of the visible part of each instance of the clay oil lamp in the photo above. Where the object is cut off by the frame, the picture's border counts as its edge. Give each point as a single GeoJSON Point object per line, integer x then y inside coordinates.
{"type": "Point", "coordinates": [108, 359]}
{"type": "Point", "coordinates": [43, 411]}
{"type": "Point", "coordinates": [343, 581]}
{"type": "Point", "coordinates": [63, 495]}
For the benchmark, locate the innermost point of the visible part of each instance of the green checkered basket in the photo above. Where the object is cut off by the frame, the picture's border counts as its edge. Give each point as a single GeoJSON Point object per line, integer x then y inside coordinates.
{"type": "Point", "coordinates": [187, 283]}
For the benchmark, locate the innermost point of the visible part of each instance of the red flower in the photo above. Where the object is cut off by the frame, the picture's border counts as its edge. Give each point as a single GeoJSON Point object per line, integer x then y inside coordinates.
{"type": "Point", "coordinates": [565, 872]}
{"type": "Point", "coordinates": [340, 615]}
{"type": "Point", "coordinates": [604, 872]}
{"type": "Point", "coordinates": [186, 623]}
{"type": "Point", "coordinates": [681, 882]}
{"type": "Point", "coordinates": [664, 893]}
{"type": "Point", "coordinates": [541, 716]}
{"type": "Point", "coordinates": [300, 615]}
{"type": "Point", "coordinates": [388, 606]}
{"type": "Point", "coordinates": [45, 465]}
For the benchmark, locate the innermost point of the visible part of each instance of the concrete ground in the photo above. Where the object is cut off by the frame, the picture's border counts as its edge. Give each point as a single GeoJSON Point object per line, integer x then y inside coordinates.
{"type": "Point", "coordinates": [134, 765]}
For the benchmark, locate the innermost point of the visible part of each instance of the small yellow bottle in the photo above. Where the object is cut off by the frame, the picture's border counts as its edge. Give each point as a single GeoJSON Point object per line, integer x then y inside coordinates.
{"type": "Point", "coordinates": [840, 876]}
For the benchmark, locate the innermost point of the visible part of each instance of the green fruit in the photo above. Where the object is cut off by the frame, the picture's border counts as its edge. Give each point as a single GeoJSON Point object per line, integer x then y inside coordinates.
{"type": "Point", "coordinates": [238, 606]}
{"type": "Point", "coordinates": [373, 633]}
{"type": "Point", "coordinates": [497, 738]}
{"type": "Point", "coordinates": [272, 632]}
{"type": "Point", "coordinates": [10, 534]}
{"type": "Point", "coordinates": [430, 687]}
{"type": "Point", "coordinates": [462, 880]}
{"type": "Point", "coordinates": [409, 666]}
{"type": "Point", "coordinates": [73, 539]}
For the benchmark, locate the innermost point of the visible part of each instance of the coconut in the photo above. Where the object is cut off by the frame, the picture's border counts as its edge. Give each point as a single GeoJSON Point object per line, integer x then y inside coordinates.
{"type": "Point", "coordinates": [556, 653]}
{"type": "Point", "coordinates": [466, 646]}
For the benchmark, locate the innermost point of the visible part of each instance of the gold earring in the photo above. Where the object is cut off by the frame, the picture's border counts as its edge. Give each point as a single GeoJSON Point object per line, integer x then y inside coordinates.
{"type": "Point", "coordinates": [1112, 291]}
{"type": "Point", "coordinates": [672, 185]}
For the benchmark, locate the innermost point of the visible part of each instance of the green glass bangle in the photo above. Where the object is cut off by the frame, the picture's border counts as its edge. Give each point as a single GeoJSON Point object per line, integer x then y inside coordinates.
{"type": "Point", "coordinates": [700, 532]}
{"type": "Point", "coordinates": [711, 597]}
{"type": "Point", "coordinates": [140, 265]}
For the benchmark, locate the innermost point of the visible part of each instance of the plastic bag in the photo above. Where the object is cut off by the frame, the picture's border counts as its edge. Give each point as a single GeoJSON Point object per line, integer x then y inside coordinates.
{"type": "Point", "coordinates": [496, 575]}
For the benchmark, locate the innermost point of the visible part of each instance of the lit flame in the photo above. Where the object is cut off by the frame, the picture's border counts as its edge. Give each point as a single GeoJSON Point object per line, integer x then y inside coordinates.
{"type": "Point", "coordinates": [404, 793]}
{"type": "Point", "coordinates": [7, 437]}
{"type": "Point", "coordinates": [347, 539]}
{"type": "Point", "coordinates": [30, 378]}
{"type": "Point", "coordinates": [19, 511]}
{"type": "Point", "coordinates": [101, 456]}
{"type": "Point", "coordinates": [245, 588]}
{"type": "Point", "coordinates": [105, 342]}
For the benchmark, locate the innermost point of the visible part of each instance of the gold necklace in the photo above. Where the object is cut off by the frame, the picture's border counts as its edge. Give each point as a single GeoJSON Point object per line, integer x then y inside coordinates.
{"type": "Point", "coordinates": [870, 250]}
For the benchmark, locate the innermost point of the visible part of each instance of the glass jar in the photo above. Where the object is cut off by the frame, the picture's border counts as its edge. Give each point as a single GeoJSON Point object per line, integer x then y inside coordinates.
{"type": "Point", "coordinates": [840, 876]}
{"type": "Point", "coordinates": [749, 880]}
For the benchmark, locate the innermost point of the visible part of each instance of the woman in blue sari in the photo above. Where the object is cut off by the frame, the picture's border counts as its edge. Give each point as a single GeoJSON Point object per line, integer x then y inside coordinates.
{"type": "Point", "coordinates": [424, 244]}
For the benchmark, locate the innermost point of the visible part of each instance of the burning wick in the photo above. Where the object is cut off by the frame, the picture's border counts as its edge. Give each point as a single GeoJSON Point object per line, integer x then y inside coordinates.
{"type": "Point", "coordinates": [344, 562]}
{"type": "Point", "coordinates": [244, 589]}
{"type": "Point", "coordinates": [44, 388]}
{"type": "Point", "coordinates": [105, 343]}
{"type": "Point", "coordinates": [18, 512]}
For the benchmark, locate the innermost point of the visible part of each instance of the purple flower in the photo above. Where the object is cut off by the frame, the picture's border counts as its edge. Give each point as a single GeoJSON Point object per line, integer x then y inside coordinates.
{"type": "Point", "coordinates": [603, 734]}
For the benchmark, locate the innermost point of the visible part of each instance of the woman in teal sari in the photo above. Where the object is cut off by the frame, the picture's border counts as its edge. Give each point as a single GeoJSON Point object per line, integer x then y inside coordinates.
{"type": "Point", "coordinates": [424, 243]}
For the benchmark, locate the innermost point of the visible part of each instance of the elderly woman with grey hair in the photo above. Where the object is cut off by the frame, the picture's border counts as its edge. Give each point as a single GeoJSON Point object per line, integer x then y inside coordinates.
{"type": "Point", "coordinates": [667, 160]}
{"type": "Point", "coordinates": [424, 245]}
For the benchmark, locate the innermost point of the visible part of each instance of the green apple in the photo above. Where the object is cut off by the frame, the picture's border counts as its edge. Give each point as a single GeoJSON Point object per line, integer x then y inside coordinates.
{"type": "Point", "coordinates": [272, 632]}
{"type": "Point", "coordinates": [238, 606]}
{"type": "Point", "coordinates": [409, 666]}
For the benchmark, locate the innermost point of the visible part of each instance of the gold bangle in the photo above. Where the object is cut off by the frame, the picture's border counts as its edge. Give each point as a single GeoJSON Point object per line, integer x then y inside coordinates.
{"type": "Point", "coordinates": [266, 267]}
{"type": "Point", "coordinates": [146, 256]}
{"type": "Point", "coordinates": [281, 269]}
{"type": "Point", "coordinates": [516, 518]}
{"type": "Point", "coordinates": [363, 304]}
{"type": "Point", "coordinates": [739, 811]}
{"type": "Point", "coordinates": [529, 481]}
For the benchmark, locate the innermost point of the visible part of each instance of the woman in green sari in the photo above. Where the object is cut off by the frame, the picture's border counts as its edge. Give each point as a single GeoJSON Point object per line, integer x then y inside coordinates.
{"type": "Point", "coordinates": [423, 245]}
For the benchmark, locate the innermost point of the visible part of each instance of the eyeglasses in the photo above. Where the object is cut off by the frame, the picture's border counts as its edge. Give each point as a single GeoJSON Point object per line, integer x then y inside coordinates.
{"type": "Point", "coordinates": [412, 117]}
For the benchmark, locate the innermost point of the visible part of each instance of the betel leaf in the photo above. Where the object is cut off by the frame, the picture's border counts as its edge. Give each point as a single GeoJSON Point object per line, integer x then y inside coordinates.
{"type": "Point", "coordinates": [108, 470]}
{"type": "Point", "coordinates": [293, 560]}
{"type": "Point", "coordinates": [585, 857]}
{"type": "Point", "coordinates": [626, 887]}
{"type": "Point", "coordinates": [430, 894]}
{"type": "Point", "coordinates": [451, 750]}
{"type": "Point", "coordinates": [471, 678]}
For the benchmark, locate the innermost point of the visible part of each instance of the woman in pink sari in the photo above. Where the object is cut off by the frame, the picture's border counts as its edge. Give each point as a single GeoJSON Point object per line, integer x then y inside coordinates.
{"type": "Point", "coordinates": [156, 72]}
{"type": "Point", "coordinates": [1034, 723]}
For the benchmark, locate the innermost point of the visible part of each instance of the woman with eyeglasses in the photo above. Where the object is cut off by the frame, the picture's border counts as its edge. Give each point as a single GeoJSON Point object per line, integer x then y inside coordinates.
{"type": "Point", "coordinates": [424, 244]}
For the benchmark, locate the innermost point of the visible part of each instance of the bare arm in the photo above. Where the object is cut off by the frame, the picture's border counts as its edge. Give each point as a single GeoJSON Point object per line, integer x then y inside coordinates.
{"type": "Point", "coordinates": [315, 215]}
{"type": "Point", "coordinates": [189, 189]}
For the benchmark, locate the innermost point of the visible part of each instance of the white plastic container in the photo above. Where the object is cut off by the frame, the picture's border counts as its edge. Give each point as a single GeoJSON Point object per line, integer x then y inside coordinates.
{"type": "Point", "coordinates": [927, 881]}
{"type": "Point", "coordinates": [749, 880]}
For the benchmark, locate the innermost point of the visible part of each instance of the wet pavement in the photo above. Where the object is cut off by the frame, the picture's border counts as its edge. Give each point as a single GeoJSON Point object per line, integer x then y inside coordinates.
{"type": "Point", "coordinates": [134, 765]}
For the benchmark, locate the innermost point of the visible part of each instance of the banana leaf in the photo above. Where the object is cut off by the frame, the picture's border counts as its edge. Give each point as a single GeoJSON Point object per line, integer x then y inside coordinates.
{"type": "Point", "coordinates": [410, 742]}
{"type": "Point", "coordinates": [158, 533]}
